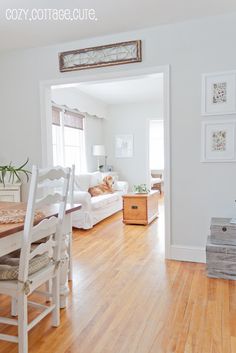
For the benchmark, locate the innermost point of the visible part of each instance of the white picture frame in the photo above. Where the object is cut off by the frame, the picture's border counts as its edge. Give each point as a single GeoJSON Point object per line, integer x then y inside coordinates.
{"type": "Point", "coordinates": [218, 141]}
{"type": "Point", "coordinates": [124, 146]}
{"type": "Point", "coordinates": [219, 93]}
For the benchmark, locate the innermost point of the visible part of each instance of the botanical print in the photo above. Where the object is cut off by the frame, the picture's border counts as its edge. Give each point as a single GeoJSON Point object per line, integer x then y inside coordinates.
{"type": "Point", "coordinates": [124, 146]}
{"type": "Point", "coordinates": [219, 140]}
{"type": "Point", "coordinates": [219, 93]}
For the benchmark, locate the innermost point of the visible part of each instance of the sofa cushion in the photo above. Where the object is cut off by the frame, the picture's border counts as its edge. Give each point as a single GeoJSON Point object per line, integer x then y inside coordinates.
{"type": "Point", "coordinates": [82, 182]}
{"type": "Point", "coordinates": [95, 179]}
{"type": "Point", "coordinates": [114, 182]}
{"type": "Point", "coordinates": [82, 197]}
{"type": "Point", "coordinates": [104, 200]}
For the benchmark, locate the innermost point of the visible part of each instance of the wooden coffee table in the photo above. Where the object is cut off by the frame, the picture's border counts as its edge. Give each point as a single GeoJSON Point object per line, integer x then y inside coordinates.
{"type": "Point", "coordinates": [140, 208]}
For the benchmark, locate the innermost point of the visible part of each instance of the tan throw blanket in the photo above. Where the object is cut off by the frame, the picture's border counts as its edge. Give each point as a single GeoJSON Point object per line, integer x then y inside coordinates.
{"type": "Point", "coordinates": [104, 188]}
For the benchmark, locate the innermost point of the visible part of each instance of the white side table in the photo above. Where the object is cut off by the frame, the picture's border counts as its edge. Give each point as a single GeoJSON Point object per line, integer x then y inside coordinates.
{"type": "Point", "coordinates": [10, 192]}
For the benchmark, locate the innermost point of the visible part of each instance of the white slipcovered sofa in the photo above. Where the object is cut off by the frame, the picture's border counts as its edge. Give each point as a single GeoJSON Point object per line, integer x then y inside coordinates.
{"type": "Point", "coordinates": [95, 209]}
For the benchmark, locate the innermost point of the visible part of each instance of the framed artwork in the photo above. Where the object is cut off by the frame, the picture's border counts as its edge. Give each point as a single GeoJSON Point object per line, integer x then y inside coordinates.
{"type": "Point", "coordinates": [105, 55]}
{"type": "Point", "coordinates": [219, 93]}
{"type": "Point", "coordinates": [218, 141]}
{"type": "Point", "coordinates": [124, 146]}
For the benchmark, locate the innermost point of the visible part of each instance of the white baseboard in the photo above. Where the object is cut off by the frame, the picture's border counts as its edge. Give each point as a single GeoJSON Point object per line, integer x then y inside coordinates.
{"type": "Point", "coordinates": [185, 253]}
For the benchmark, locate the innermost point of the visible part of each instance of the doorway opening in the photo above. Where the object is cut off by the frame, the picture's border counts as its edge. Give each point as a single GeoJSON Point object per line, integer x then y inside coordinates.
{"type": "Point", "coordinates": [114, 108]}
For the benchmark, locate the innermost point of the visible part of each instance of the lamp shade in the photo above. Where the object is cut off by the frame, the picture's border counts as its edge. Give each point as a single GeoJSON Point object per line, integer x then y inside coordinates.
{"type": "Point", "coordinates": [99, 150]}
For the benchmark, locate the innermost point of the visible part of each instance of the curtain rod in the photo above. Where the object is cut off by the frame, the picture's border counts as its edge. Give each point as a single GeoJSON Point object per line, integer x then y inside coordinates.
{"type": "Point", "coordinates": [74, 110]}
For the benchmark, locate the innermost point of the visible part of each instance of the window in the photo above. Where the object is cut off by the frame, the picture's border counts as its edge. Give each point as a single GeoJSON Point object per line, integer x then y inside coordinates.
{"type": "Point", "coordinates": [68, 139]}
{"type": "Point", "coordinates": [156, 147]}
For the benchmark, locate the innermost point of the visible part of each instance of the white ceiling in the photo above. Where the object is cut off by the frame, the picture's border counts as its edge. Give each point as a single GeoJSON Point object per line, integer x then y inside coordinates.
{"type": "Point", "coordinates": [130, 90]}
{"type": "Point", "coordinates": [113, 16]}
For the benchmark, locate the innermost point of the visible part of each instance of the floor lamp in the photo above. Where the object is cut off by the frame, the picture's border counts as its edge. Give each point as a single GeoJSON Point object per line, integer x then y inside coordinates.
{"type": "Point", "coordinates": [98, 151]}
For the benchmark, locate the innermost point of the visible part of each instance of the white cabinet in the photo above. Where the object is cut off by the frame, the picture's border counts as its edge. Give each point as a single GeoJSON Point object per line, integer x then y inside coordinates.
{"type": "Point", "coordinates": [10, 192]}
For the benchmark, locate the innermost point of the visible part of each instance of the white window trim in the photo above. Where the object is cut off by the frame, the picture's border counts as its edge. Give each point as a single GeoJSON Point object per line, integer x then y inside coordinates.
{"type": "Point", "coordinates": [62, 145]}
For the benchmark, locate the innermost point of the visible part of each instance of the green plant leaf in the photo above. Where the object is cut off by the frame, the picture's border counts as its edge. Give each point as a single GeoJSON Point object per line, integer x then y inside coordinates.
{"type": "Point", "coordinates": [14, 172]}
{"type": "Point", "coordinates": [23, 165]}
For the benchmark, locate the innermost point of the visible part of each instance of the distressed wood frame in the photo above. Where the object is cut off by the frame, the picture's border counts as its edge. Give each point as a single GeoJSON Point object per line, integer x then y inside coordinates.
{"type": "Point", "coordinates": [137, 58]}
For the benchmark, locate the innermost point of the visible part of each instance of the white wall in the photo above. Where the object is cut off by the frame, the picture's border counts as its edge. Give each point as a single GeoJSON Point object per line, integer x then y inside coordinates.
{"type": "Point", "coordinates": [132, 118]}
{"type": "Point", "coordinates": [74, 98]}
{"type": "Point", "coordinates": [94, 135]}
{"type": "Point", "coordinates": [199, 191]}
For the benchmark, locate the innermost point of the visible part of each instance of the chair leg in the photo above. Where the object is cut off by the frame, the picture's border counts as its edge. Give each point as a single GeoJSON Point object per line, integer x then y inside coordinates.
{"type": "Point", "coordinates": [48, 286]}
{"type": "Point", "coordinates": [56, 300]}
{"type": "Point", "coordinates": [22, 323]}
{"type": "Point", "coordinates": [70, 272]}
{"type": "Point", "coordinates": [13, 306]}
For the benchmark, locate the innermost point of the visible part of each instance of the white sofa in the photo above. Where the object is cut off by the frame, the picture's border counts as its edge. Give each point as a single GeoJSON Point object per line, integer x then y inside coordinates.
{"type": "Point", "coordinates": [95, 209]}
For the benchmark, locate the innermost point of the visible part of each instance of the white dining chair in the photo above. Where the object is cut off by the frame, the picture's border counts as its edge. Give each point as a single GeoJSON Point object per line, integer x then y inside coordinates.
{"type": "Point", "coordinates": [39, 262]}
{"type": "Point", "coordinates": [70, 238]}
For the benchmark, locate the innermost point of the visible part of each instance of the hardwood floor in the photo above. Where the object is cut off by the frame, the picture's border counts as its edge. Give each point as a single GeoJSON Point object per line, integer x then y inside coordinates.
{"type": "Point", "coordinates": [127, 299]}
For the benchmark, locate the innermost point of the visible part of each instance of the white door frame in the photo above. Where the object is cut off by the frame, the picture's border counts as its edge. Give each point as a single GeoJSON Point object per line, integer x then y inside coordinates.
{"type": "Point", "coordinates": [46, 135]}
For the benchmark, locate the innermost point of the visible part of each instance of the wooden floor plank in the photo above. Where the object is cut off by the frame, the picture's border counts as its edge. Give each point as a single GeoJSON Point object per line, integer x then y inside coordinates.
{"type": "Point", "coordinates": [126, 298]}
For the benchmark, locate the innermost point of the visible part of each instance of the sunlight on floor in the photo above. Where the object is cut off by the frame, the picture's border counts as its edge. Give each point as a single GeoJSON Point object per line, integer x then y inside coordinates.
{"type": "Point", "coordinates": [161, 225]}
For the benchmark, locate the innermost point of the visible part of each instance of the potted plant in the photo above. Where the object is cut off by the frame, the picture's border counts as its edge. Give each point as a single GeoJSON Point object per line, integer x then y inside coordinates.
{"type": "Point", "coordinates": [13, 173]}
{"type": "Point", "coordinates": [141, 189]}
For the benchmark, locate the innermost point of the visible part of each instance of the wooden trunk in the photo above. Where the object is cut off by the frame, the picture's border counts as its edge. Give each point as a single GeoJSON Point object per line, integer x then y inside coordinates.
{"type": "Point", "coordinates": [223, 232]}
{"type": "Point", "coordinates": [221, 260]}
{"type": "Point", "coordinates": [140, 208]}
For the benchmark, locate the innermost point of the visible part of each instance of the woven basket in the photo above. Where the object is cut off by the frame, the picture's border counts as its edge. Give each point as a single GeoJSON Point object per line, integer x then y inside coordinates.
{"type": "Point", "coordinates": [17, 216]}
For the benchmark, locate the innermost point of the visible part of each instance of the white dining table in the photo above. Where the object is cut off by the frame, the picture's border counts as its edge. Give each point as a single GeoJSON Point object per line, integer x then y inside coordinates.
{"type": "Point", "coordinates": [11, 239]}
